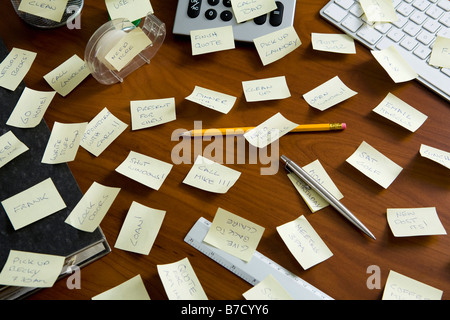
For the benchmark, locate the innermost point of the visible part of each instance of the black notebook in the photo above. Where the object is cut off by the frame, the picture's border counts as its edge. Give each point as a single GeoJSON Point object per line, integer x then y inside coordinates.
{"type": "Point", "coordinates": [50, 235]}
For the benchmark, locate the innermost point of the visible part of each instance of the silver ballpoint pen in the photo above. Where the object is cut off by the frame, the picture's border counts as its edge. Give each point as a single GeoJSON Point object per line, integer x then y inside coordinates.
{"type": "Point", "coordinates": [311, 182]}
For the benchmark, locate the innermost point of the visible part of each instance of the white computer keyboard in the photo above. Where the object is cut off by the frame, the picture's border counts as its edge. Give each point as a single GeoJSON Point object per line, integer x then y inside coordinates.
{"type": "Point", "coordinates": [413, 34]}
{"type": "Point", "coordinates": [205, 14]}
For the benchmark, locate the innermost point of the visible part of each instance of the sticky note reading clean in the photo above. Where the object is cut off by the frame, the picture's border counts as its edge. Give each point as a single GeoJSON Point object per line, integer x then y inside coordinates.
{"type": "Point", "coordinates": [101, 132]}
{"type": "Point", "coordinates": [379, 10]}
{"type": "Point", "coordinates": [328, 94]}
{"type": "Point", "coordinates": [33, 204]}
{"type": "Point", "coordinates": [180, 281]}
{"type": "Point", "coordinates": [212, 40]}
{"type": "Point", "coordinates": [314, 201]}
{"type": "Point", "coordinates": [133, 289]}
{"type": "Point", "coordinates": [268, 289]}
{"type": "Point", "coordinates": [394, 64]}
{"type": "Point", "coordinates": [68, 75]}
{"type": "Point", "coordinates": [27, 269]}
{"type": "Point", "coordinates": [64, 142]}
{"type": "Point", "coordinates": [140, 228]}
{"type": "Point", "coordinates": [15, 67]}
{"type": "Point", "coordinates": [48, 9]}
{"type": "Point", "coordinates": [400, 112]}
{"type": "Point", "coordinates": [414, 222]}
{"type": "Point", "coordinates": [92, 208]}
{"type": "Point", "coordinates": [266, 89]}
{"type": "Point", "coordinates": [304, 243]}
{"type": "Point", "coordinates": [440, 156]}
{"type": "Point", "coordinates": [400, 287]}
{"type": "Point", "coordinates": [144, 169]}
{"type": "Point", "coordinates": [131, 10]}
{"type": "Point", "coordinates": [233, 234]}
{"type": "Point", "coordinates": [30, 108]}
{"type": "Point", "coordinates": [269, 131]}
{"type": "Point", "coordinates": [128, 47]}
{"type": "Point", "coordinates": [337, 43]}
{"type": "Point", "coordinates": [211, 176]}
{"type": "Point", "coordinates": [150, 113]}
{"type": "Point", "coordinates": [10, 148]}
{"type": "Point", "coordinates": [276, 45]}
{"type": "Point", "coordinates": [374, 165]}
{"type": "Point", "coordinates": [246, 10]}
{"type": "Point", "coordinates": [212, 99]}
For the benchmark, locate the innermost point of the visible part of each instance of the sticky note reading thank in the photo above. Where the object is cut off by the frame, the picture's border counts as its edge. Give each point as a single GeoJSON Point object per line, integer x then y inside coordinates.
{"type": "Point", "coordinates": [276, 45]}
{"type": "Point", "coordinates": [33, 204]}
{"type": "Point", "coordinates": [27, 269]}
{"type": "Point", "coordinates": [374, 165]}
{"type": "Point", "coordinates": [234, 235]}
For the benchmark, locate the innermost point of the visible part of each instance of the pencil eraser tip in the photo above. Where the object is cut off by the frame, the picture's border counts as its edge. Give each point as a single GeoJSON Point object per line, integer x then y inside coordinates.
{"type": "Point", "coordinates": [344, 126]}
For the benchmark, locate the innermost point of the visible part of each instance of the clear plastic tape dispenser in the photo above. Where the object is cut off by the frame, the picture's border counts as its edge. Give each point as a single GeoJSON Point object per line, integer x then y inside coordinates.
{"type": "Point", "coordinates": [108, 35]}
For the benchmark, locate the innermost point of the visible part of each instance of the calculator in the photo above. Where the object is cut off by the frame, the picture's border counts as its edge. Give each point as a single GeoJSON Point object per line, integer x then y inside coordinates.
{"type": "Point", "coordinates": [206, 14]}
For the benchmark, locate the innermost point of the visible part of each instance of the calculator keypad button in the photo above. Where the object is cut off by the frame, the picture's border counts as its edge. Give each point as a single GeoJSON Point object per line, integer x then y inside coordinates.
{"type": "Point", "coordinates": [226, 15]}
{"type": "Point", "coordinates": [194, 8]}
{"type": "Point", "coordinates": [276, 16]}
{"type": "Point", "coordinates": [211, 14]}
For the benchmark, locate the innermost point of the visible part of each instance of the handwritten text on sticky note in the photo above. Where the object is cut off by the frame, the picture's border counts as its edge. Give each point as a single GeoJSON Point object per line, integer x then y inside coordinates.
{"type": "Point", "coordinates": [131, 10]}
{"type": "Point", "coordinates": [437, 155]}
{"type": "Point", "coordinates": [414, 222]}
{"type": "Point", "coordinates": [440, 55]}
{"type": "Point", "coordinates": [379, 10]}
{"type": "Point", "coordinates": [268, 289]}
{"type": "Point", "coordinates": [394, 64]}
{"type": "Point", "coordinates": [211, 99]}
{"type": "Point", "coordinates": [10, 148]}
{"type": "Point", "coordinates": [48, 9]}
{"type": "Point", "coordinates": [33, 204]}
{"type": "Point", "coordinates": [304, 243]}
{"type": "Point", "coordinates": [375, 165]}
{"type": "Point", "coordinates": [233, 234]}
{"type": "Point", "coordinates": [266, 89]}
{"type": "Point", "coordinates": [400, 287]}
{"type": "Point", "coordinates": [150, 113]}
{"type": "Point", "coordinates": [246, 10]}
{"type": "Point", "coordinates": [212, 40]}
{"type": "Point", "coordinates": [276, 45]}
{"type": "Point", "coordinates": [337, 43]}
{"type": "Point", "coordinates": [15, 67]}
{"type": "Point", "coordinates": [28, 269]}
{"type": "Point", "coordinates": [149, 171]}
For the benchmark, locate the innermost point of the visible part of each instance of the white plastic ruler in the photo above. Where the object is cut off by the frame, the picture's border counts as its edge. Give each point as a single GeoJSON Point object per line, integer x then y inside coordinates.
{"type": "Point", "coordinates": [257, 269]}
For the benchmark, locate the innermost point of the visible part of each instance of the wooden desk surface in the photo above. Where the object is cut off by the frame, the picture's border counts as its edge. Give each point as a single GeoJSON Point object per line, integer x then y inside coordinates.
{"type": "Point", "coordinates": [266, 200]}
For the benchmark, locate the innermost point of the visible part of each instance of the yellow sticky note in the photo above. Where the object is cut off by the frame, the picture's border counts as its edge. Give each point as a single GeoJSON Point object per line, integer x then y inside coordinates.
{"type": "Point", "coordinates": [212, 99]}
{"type": "Point", "coordinates": [101, 132]}
{"type": "Point", "coordinates": [400, 287]}
{"type": "Point", "coordinates": [268, 289]}
{"type": "Point", "coordinates": [440, 55]}
{"type": "Point", "coordinates": [30, 108]}
{"type": "Point", "coordinates": [394, 64]}
{"type": "Point", "coordinates": [140, 228]}
{"type": "Point", "coordinates": [92, 208]}
{"type": "Point", "coordinates": [127, 48]}
{"type": "Point", "coordinates": [48, 9]}
{"type": "Point", "coordinates": [63, 143]}
{"type": "Point", "coordinates": [131, 10]}
{"type": "Point", "coordinates": [246, 10]}
{"type": "Point", "coordinates": [150, 113]}
{"type": "Point", "coordinates": [233, 234]}
{"type": "Point", "coordinates": [400, 112]}
{"type": "Point", "coordinates": [276, 45]}
{"type": "Point", "coordinates": [328, 94]}
{"type": "Point", "coordinates": [304, 243]}
{"type": "Point", "coordinates": [27, 269]}
{"type": "Point", "coordinates": [440, 156]}
{"type": "Point", "coordinates": [212, 40]}
{"type": "Point", "coordinates": [15, 67]}
{"type": "Point", "coordinates": [266, 89]}
{"type": "Point", "coordinates": [149, 171]}
{"type": "Point", "coordinates": [180, 281]}
{"type": "Point", "coordinates": [10, 148]}
{"type": "Point", "coordinates": [211, 176]}
{"type": "Point", "coordinates": [68, 75]}
{"type": "Point", "coordinates": [379, 10]}
{"type": "Point", "coordinates": [314, 201]}
{"type": "Point", "coordinates": [374, 165]}
{"type": "Point", "coordinates": [337, 43]}
{"type": "Point", "coordinates": [414, 222]}
{"type": "Point", "coordinates": [269, 131]}
{"type": "Point", "coordinates": [33, 204]}
{"type": "Point", "coordinates": [133, 289]}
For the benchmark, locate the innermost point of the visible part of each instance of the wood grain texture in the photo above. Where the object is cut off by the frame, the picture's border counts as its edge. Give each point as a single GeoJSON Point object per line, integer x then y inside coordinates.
{"type": "Point", "coordinates": [268, 200]}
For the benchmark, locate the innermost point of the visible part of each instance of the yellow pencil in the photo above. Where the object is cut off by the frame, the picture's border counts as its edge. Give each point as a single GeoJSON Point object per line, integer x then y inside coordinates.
{"type": "Point", "coordinates": [242, 130]}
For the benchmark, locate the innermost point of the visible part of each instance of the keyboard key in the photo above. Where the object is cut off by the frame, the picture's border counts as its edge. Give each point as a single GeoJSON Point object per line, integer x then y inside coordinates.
{"type": "Point", "coordinates": [335, 12]}
{"type": "Point", "coordinates": [431, 25]}
{"type": "Point", "coordinates": [405, 9]}
{"type": "Point", "coordinates": [445, 20]}
{"type": "Point", "coordinates": [425, 37]}
{"type": "Point", "coordinates": [346, 4]}
{"type": "Point", "coordinates": [396, 34]}
{"type": "Point", "coordinates": [369, 34]}
{"type": "Point", "coordinates": [434, 12]}
{"type": "Point", "coordinates": [352, 23]}
{"type": "Point", "coordinates": [411, 28]}
{"type": "Point", "coordinates": [444, 4]}
{"type": "Point", "coordinates": [421, 4]}
{"type": "Point", "coordinates": [408, 43]}
{"type": "Point", "coordinates": [422, 52]}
